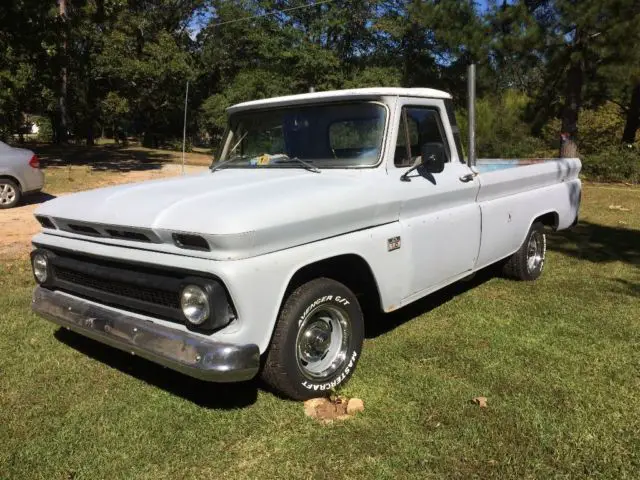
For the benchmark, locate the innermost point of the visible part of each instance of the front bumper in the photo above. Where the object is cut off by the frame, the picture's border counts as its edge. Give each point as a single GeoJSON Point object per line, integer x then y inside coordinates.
{"type": "Point", "coordinates": [181, 351]}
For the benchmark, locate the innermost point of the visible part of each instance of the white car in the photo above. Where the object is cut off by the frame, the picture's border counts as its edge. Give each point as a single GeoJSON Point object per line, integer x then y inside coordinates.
{"type": "Point", "coordinates": [20, 175]}
{"type": "Point", "coordinates": [324, 209]}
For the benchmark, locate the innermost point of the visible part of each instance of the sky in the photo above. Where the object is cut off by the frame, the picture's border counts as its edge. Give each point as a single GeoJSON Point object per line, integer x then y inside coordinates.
{"type": "Point", "coordinates": [201, 18]}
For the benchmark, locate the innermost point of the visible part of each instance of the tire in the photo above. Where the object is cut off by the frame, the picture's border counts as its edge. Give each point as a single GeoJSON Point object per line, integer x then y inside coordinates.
{"type": "Point", "coordinates": [317, 341]}
{"type": "Point", "coordinates": [528, 262]}
{"type": "Point", "coordinates": [10, 193]}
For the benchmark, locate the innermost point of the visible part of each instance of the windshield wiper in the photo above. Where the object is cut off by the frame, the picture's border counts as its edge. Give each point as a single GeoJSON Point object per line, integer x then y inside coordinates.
{"type": "Point", "coordinates": [305, 164]}
{"type": "Point", "coordinates": [217, 166]}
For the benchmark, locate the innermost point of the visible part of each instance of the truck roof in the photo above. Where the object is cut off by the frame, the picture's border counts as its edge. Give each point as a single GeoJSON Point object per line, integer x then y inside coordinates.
{"type": "Point", "coordinates": [334, 95]}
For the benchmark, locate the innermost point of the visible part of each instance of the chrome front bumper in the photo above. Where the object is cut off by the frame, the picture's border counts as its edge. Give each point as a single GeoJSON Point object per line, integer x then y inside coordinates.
{"type": "Point", "coordinates": [182, 351]}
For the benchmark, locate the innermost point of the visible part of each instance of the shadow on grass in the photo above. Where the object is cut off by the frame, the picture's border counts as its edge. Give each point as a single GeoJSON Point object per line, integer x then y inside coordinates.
{"type": "Point", "coordinates": [626, 287]}
{"type": "Point", "coordinates": [383, 323]}
{"type": "Point", "coordinates": [223, 396]}
{"type": "Point", "coordinates": [114, 158]}
{"type": "Point", "coordinates": [35, 198]}
{"type": "Point", "coordinates": [597, 243]}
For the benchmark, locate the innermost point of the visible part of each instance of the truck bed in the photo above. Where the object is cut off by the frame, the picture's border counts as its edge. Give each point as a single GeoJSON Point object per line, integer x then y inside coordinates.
{"type": "Point", "coordinates": [492, 164]}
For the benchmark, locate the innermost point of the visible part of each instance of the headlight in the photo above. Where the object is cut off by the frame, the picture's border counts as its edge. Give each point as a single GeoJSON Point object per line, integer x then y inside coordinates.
{"type": "Point", "coordinates": [40, 264]}
{"type": "Point", "coordinates": [195, 304]}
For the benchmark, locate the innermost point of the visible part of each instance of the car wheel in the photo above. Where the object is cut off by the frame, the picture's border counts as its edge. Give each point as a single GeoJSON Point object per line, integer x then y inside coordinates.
{"type": "Point", "coordinates": [9, 193]}
{"type": "Point", "coordinates": [317, 340]}
{"type": "Point", "coordinates": [527, 263]}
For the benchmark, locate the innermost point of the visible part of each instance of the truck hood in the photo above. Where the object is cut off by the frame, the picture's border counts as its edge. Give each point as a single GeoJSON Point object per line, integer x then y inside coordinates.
{"type": "Point", "coordinates": [241, 212]}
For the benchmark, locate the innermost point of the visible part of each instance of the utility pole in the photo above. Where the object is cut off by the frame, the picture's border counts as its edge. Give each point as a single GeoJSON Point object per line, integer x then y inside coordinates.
{"type": "Point", "coordinates": [184, 128]}
{"type": "Point", "coordinates": [62, 100]}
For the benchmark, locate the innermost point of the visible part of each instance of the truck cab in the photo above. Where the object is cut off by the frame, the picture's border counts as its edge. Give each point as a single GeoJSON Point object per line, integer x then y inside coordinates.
{"type": "Point", "coordinates": [321, 210]}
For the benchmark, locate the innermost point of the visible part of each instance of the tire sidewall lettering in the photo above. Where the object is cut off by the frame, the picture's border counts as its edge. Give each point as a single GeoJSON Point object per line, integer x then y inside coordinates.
{"type": "Point", "coordinates": [342, 376]}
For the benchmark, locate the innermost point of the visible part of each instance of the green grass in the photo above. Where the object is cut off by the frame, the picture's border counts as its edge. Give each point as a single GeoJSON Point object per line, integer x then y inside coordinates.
{"type": "Point", "coordinates": [558, 359]}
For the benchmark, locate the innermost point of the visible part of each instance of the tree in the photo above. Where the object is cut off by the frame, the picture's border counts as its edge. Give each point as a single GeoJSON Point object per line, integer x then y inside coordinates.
{"type": "Point", "coordinates": [575, 41]}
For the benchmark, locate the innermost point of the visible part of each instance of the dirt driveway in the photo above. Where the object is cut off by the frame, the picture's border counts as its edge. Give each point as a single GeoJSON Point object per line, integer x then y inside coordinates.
{"type": "Point", "coordinates": [18, 225]}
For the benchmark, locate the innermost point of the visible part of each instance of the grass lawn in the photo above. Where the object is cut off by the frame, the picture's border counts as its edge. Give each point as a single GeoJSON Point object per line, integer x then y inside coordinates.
{"type": "Point", "coordinates": [558, 360]}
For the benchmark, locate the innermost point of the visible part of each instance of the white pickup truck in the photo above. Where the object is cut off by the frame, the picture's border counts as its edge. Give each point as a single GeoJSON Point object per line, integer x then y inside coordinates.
{"type": "Point", "coordinates": [320, 206]}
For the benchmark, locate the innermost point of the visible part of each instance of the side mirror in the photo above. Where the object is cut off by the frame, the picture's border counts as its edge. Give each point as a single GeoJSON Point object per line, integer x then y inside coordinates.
{"type": "Point", "coordinates": [433, 157]}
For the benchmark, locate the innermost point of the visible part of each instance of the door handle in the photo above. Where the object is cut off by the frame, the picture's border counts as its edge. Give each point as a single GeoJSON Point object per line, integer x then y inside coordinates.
{"type": "Point", "coordinates": [467, 178]}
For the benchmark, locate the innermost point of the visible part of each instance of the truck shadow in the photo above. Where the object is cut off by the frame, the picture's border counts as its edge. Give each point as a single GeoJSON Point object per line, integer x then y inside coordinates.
{"type": "Point", "coordinates": [217, 396]}
{"type": "Point", "coordinates": [381, 323]}
{"type": "Point", "coordinates": [597, 243]}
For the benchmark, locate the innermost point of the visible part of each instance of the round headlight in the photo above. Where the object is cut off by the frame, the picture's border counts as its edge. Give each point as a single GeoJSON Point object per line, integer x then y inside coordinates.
{"type": "Point", "coordinates": [40, 267]}
{"type": "Point", "coordinates": [195, 304]}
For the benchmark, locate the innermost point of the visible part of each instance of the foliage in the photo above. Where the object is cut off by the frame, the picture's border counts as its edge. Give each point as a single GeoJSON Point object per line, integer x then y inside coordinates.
{"type": "Point", "coordinates": [618, 163]}
{"type": "Point", "coordinates": [599, 128]}
{"type": "Point", "coordinates": [45, 132]}
{"type": "Point", "coordinates": [500, 129]}
{"type": "Point", "coordinates": [543, 66]}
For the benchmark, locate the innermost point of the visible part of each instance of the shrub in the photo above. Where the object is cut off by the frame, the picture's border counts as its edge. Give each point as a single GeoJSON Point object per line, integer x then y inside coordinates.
{"type": "Point", "coordinates": [597, 129]}
{"type": "Point", "coordinates": [176, 144]}
{"type": "Point", "coordinates": [613, 164]}
{"type": "Point", "coordinates": [45, 132]}
{"type": "Point", "coordinates": [500, 129]}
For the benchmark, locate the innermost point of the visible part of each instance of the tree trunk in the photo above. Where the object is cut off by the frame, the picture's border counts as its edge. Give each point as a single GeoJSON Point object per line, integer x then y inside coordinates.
{"type": "Point", "coordinates": [571, 111]}
{"type": "Point", "coordinates": [90, 135]}
{"type": "Point", "coordinates": [633, 117]}
{"type": "Point", "coordinates": [61, 136]}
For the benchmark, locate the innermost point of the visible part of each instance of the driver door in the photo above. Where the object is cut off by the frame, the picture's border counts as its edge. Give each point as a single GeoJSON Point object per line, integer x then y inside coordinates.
{"type": "Point", "coordinates": [439, 216]}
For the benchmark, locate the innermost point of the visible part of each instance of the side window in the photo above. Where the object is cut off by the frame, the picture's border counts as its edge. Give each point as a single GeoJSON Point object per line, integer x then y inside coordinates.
{"type": "Point", "coordinates": [418, 125]}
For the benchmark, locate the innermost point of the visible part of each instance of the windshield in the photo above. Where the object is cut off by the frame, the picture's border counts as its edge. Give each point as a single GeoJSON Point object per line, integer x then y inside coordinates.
{"type": "Point", "coordinates": [325, 136]}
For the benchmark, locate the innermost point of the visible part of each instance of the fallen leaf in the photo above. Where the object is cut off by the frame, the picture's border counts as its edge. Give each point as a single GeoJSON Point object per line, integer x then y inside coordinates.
{"type": "Point", "coordinates": [480, 401]}
{"type": "Point", "coordinates": [619, 208]}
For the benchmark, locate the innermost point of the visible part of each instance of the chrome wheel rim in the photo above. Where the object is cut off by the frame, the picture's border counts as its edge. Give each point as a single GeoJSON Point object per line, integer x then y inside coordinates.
{"type": "Point", "coordinates": [322, 342]}
{"type": "Point", "coordinates": [7, 194]}
{"type": "Point", "coordinates": [535, 251]}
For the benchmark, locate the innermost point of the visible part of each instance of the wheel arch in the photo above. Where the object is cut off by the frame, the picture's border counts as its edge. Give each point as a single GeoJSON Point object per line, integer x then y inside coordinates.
{"type": "Point", "coordinates": [13, 178]}
{"type": "Point", "coordinates": [549, 219]}
{"type": "Point", "coordinates": [350, 269]}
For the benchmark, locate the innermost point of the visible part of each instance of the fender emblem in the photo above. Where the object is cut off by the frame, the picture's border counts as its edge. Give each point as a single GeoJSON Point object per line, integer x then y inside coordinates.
{"type": "Point", "coordinates": [393, 243]}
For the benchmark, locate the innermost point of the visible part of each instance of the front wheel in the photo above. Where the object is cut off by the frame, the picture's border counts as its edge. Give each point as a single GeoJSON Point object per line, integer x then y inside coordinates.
{"type": "Point", "coordinates": [527, 263]}
{"type": "Point", "coordinates": [317, 340]}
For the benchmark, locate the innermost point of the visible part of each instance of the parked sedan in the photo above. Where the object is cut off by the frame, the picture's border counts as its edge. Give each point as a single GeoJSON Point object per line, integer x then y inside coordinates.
{"type": "Point", "coordinates": [20, 174]}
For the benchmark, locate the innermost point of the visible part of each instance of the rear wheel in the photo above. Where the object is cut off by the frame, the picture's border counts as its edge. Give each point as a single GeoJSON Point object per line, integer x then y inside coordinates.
{"type": "Point", "coordinates": [317, 340]}
{"type": "Point", "coordinates": [9, 193]}
{"type": "Point", "coordinates": [527, 263]}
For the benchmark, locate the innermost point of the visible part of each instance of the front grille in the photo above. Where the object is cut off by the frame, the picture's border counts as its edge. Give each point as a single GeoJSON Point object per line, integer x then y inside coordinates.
{"type": "Point", "coordinates": [143, 294]}
{"type": "Point", "coordinates": [152, 290]}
